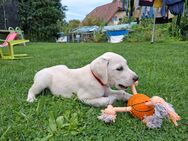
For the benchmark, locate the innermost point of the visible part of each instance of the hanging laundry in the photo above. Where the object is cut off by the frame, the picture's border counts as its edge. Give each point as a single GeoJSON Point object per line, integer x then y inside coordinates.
{"type": "Point", "coordinates": [125, 6]}
{"type": "Point", "coordinates": [170, 15]}
{"type": "Point", "coordinates": [176, 7]}
{"type": "Point", "coordinates": [137, 9]}
{"type": "Point", "coordinates": [147, 12]}
{"type": "Point", "coordinates": [162, 20]}
{"type": "Point", "coordinates": [159, 19]}
{"type": "Point", "coordinates": [132, 7]}
{"type": "Point", "coordinates": [146, 2]}
{"type": "Point", "coordinates": [157, 3]}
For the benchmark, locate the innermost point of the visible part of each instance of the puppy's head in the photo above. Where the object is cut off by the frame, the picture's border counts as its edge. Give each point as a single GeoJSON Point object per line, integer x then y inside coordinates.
{"type": "Point", "coordinates": [112, 69]}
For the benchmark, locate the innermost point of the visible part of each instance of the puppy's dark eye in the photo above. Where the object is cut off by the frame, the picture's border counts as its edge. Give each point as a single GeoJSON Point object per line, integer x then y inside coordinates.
{"type": "Point", "coordinates": [120, 68]}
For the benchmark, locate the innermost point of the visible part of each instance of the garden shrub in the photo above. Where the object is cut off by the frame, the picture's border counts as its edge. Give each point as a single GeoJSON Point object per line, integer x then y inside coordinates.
{"type": "Point", "coordinates": [143, 31]}
{"type": "Point", "coordinates": [179, 31]}
{"type": "Point", "coordinates": [99, 37]}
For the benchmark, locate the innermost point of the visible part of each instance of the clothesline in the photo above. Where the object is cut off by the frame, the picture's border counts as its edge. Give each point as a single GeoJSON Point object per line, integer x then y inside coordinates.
{"type": "Point", "coordinates": [161, 10]}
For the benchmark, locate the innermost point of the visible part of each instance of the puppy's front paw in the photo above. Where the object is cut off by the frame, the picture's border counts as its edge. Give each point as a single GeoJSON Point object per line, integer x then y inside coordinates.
{"type": "Point", "coordinates": [126, 96]}
{"type": "Point", "coordinates": [111, 99]}
{"type": "Point", "coordinates": [31, 99]}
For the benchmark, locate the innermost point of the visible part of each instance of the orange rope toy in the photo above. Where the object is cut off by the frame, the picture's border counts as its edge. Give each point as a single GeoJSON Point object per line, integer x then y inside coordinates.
{"type": "Point", "coordinates": [137, 104]}
{"type": "Point", "coordinates": [144, 108]}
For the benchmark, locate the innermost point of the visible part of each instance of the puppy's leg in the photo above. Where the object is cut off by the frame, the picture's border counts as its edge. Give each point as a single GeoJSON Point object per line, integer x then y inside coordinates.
{"type": "Point", "coordinates": [97, 102]}
{"type": "Point", "coordinates": [41, 81]}
{"type": "Point", "coordinates": [33, 91]}
{"type": "Point", "coordinates": [119, 94]}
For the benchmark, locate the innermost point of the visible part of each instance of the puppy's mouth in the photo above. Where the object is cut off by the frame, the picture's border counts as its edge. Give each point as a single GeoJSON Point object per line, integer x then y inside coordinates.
{"type": "Point", "coordinates": [122, 86]}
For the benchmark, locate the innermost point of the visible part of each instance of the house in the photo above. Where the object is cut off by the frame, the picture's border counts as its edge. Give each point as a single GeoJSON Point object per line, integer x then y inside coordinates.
{"type": "Point", "coordinates": [111, 13]}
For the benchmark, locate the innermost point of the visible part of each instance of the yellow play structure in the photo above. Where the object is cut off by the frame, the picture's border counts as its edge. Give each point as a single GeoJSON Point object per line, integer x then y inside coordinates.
{"type": "Point", "coordinates": [10, 42]}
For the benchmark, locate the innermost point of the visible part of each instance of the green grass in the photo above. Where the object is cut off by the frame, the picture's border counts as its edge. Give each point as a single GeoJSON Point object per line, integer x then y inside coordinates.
{"type": "Point", "coordinates": [163, 71]}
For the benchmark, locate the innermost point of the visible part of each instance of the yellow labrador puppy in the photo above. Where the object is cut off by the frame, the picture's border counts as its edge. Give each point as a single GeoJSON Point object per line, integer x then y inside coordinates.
{"type": "Point", "coordinates": [91, 83]}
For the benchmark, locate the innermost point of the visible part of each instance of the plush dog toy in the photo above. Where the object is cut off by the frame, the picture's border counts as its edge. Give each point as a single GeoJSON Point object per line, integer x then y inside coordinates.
{"type": "Point", "coordinates": [150, 110]}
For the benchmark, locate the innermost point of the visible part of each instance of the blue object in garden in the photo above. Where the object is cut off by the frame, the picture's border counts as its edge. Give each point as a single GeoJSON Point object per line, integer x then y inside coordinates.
{"type": "Point", "coordinates": [116, 36]}
{"type": "Point", "coordinates": [117, 32]}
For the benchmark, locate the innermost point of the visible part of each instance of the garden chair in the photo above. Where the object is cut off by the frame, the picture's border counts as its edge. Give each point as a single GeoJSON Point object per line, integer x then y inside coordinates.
{"type": "Point", "coordinates": [9, 42]}
{"type": "Point", "coordinates": [21, 34]}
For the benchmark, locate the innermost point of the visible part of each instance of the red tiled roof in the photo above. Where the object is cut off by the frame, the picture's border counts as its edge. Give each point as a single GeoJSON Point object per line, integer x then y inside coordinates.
{"type": "Point", "coordinates": [107, 11]}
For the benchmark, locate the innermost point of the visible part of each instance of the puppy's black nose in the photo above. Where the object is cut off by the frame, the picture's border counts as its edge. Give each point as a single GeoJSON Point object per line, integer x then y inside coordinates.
{"type": "Point", "coordinates": [135, 78]}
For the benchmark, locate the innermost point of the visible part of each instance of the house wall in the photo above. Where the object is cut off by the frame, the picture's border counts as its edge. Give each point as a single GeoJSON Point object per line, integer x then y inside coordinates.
{"type": "Point", "coordinates": [117, 17]}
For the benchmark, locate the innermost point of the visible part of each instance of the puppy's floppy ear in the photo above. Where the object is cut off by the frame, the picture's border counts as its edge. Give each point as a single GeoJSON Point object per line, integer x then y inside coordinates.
{"type": "Point", "coordinates": [99, 68]}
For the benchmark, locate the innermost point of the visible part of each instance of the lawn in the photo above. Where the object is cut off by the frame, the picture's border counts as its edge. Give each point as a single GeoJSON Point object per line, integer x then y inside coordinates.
{"type": "Point", "coordinates": [162, 68]}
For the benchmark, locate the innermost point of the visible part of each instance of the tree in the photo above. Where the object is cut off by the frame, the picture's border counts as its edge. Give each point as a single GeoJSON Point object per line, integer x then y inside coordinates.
{"type": "Point", "coordinates": [39, 19]}
{"type": "Point", "coordinates": [93, 21]}
{"type": "Point", "coordinates": [4, 12]}
{"type": "Point", "coordinates": [2, 1]}
{"type": "Point", "coordinates": [74, 24]}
